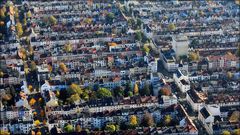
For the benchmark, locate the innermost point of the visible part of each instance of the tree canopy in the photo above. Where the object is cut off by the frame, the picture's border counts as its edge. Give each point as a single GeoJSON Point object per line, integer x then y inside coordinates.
{"type": "Point", "coordinates": [193, 56]}
{"type": "Point", "coordinates": [226, 132]}
{"type": "Point", "coordinates": [133, 120]}
{"type": "Point", "coordinates": [19, 29]}
{"type": "Point", "coordinates": [171, 26]}
{"type": "Point", "coordinates": [147, 120]}
{"type": "Point", "coordinates": [136, 89]}
{"type": "Point", "coordinates": [110, 17]}
{"type": "Point", "coordinates": [103, 92]}
{"type": "Point", "coordinates": [146, 48]}
{"type": "Point", "coordinates": [52, 20]}
{"type": "Point", "coordinates": [63, 67]}
{"type": "Point", "coordinates": [167, 119]}
{"type": "Point", "coordinates": [68, 128]}
{"type": "Point", "coordinates": [165, 91]}
{"type": "Point", "coordinates": [110, 128]}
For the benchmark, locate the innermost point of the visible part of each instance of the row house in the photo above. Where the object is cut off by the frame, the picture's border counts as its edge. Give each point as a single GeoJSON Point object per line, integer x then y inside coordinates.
{"type": "Point", "coordinates": [227, 61]}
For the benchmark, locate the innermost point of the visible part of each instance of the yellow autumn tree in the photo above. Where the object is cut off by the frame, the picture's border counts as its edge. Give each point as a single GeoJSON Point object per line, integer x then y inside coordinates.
{"type": "Point", "coordinates": [30, 88]}
{"type": "Point", "coordinates": [76, 88]}
{"type": "Point", "coordinates": [63, 67]}
{"type": "Point", "coordinates": [133, 120]}
{"type": "Point", "coordinates": [88, 20]}
{"type": "Point", "coordinates": [44, 122]}
{"type": "Point", "coordinates": [16, 12]}
{"type": "Point", "coordinates": [40, 100]}
{"type": "Point", "coordinates": [136, 89]}
{"type": "Point", "coordinates": [37, 123]}
{"type": "Point", "coordinates": [50, 68]}
{"type": "Point", "coordinates": [236, 131]}
{"type": "Point", "coordinates": [1, 74]}
{"type": "Point", "coordinates": [22, 53]}
{"type": "Point", "coordinates": [68, 47]}
{"type": "Point", "coordinates": [146, 48]}
{"type": "Point", "coordinates": [57, 93]}
{"type": "Point", "coordinates": [78, 128]}
{"type": "Point", "coordinates": [2, 12]}
{"type": "Point", "coordinates": [32, 101]}
{"type": "Point", "coordinates": [229, 75]}
{"type": "Point", "coordinates": [3, 132]}
{"type": "Point", "coordinates": [39, 133]}
{"type": "Point", "coordinates": [29, 14]}
{"type": "Point", "coordinates": [19, 29]}
{"type": "Point", "coordinates": [30, 50]}
{"type": "Point", "coordinates": [193, 56]}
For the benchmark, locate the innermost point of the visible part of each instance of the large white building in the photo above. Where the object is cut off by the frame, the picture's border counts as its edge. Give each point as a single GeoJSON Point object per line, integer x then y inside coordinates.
{"type": "Point", "coordinates": [181, 81]}
{"type": "Point", "coordinates": [180, 45]}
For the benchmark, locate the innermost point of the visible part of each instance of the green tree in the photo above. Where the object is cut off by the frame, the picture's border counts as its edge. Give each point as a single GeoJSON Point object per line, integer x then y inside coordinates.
{"type": "Point", "coordinates": [171, 26]}
{"type": "Point", "coordinates": [130, 93]}
{"type": "Point", "coordinates": [238, 52]}
{"type": "Point", "coordinates": [139, 36]}
{"type": "Point", "coordinates": [110, 128]}
{"type": "Point", "coordinates": [68, 128]}
{"type": "Point", "coordinates": [167, 119]}
{"type": "Point", "coordinates": [146, 48]}
{"type": "Point", "coordinates": [110, 17]}
{"type": "Point", "coordinates": [226, 132]}
{"type": "Point", "coordinates": [128, 88]}
{"type": "Point", "coordinates": [74, 98]}
{"type": "Point", "coordinates": [29, 14]}
{"type": "Point", "coordinates": [103, 92]}
{"type": "Point", "coordinates": [131, 22]}
{"type": "Point", "coordinates": [76, 89]}
{"type": "Point", "coordinates": [147, 120]}
{"type": "Point", "coordinates": [24, 21]}
{"type": "Point", "coordinates": [139, 23]}
{"type": "Point", "coordinates": [236, 131]}
{"type": "Point", "coordinates": [85, 96]}
{"type": "Point", "coordinates": [145, 91]}
{"type": "Point", "coordinates": [118, 91]}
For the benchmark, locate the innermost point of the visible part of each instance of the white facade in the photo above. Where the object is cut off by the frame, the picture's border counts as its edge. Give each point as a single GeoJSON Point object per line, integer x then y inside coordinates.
{"type": "Point", "coordinates": [180, 45]}
{"type": "Point", "coordinates": [153, 66]}
{"type": "Point", "coordinates": [196, 106]}
{"type": "Point", "coordinates": [169, 100]}
{"type": "Point", "coordinates": [182, 82]}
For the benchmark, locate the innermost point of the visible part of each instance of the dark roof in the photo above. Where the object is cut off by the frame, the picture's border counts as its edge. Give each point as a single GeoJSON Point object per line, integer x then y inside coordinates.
{"type": "Point", "coordinates": [184, 82]}
{"type": "Point", "coordinates": [205, 113]}
{"type": "Point", "coordinates": [217, 118]}
{"type": "Point", "coordinates": [178, 74]}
